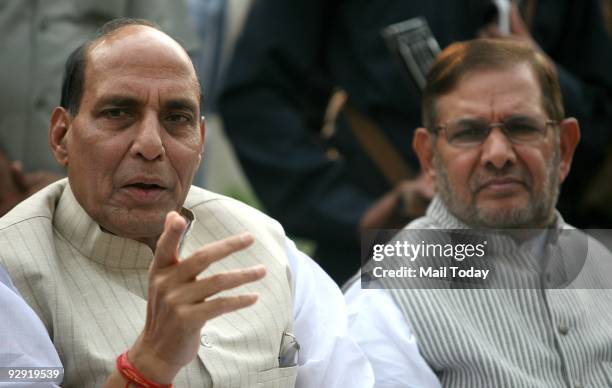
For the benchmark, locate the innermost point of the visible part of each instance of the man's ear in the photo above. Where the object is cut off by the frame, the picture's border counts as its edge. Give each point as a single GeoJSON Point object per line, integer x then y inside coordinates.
{"type": "Point", "coordinates": [202, 135]}
{"type": "Point", "coordinates": [202, 130]}
{"type": "Point", "coordinates": [422, 144]}
{"type": "Point", "coordinates": [568, 140]}
{"type": "Point", "coordinates": [58, 131]}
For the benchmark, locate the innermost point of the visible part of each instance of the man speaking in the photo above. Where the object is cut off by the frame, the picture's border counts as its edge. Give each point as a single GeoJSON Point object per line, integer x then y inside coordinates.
{"type": "Point", "coordinates": [141, 279]}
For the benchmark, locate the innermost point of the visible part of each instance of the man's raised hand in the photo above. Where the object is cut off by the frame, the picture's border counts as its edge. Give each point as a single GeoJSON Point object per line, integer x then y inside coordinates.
{"type": "Point", "coordinates": [179, 304]}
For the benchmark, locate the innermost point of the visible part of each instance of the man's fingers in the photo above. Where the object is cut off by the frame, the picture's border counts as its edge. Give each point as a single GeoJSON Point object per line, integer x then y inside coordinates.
{"type": "Point", "coordinates": [37, 180]}
{"type": "Point", "coordinates": [425, 187]}
{"type": "Point", "coordinates": [213, 308]}
{"type": "Point", "coordinates": [166, 251]}
{"type": "Point", "coordinates": [18, 175]}
{"type": "Point", "coordinates": [490, 31]}
{"type": "Point", "coordinates": [201, 289]}
{"type": "Point", "coordinates": [208, 254]}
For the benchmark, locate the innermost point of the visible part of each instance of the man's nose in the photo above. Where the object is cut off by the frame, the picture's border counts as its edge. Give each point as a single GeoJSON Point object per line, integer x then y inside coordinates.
{"type": "Point", "coordinates": [148, 142]}
{"type": "Point", "coordinates": [497, 150]}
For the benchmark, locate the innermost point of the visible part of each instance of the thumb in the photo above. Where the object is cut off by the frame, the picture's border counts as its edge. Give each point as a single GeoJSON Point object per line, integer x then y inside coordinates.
{"type": "Point", "coordinates": [166, 251]}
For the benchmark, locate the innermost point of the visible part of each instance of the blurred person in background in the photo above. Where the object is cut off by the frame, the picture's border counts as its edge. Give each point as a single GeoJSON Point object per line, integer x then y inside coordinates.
{"type": "Point", "coordinates": [607, 5]}
{"type": "Point", "coordinates": [209, 20]}
{"type": "Point", "coordinates": [328, 185]}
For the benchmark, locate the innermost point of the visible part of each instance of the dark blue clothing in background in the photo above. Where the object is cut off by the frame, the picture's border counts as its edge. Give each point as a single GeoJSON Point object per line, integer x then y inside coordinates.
{"type": "Point", "coordinates": [291, 53]}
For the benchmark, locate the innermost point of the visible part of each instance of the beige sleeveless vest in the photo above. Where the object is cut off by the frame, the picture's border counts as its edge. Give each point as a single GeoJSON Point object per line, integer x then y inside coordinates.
{"type": "Point", "coordinates": [90, 287]}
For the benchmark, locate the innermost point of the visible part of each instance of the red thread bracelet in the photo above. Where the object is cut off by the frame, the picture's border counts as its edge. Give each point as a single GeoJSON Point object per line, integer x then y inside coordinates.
{"type": "Point", "coordinates": [127, 370]}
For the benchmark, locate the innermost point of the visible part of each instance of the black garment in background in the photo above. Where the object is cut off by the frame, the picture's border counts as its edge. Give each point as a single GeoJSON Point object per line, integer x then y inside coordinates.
{"type": "Point", "coordinates": [290, 54]}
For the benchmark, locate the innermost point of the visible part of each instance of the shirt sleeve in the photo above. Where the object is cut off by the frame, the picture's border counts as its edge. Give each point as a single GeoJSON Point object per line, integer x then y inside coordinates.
{"type": "Point", "coordinates": [328, 357]}
{"type": "Point", "coordinates": [379, 328]}
{"type": "Point", "coordinates": [24, 341]}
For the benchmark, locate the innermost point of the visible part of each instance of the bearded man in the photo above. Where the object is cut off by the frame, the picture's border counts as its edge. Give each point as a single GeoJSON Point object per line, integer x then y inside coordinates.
{"type": "Point", "coordinates": [497, 145]}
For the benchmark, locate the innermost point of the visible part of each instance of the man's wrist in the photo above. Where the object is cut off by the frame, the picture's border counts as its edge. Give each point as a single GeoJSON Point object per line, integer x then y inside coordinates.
{"type": "Point", "coordinates": [150, 366]}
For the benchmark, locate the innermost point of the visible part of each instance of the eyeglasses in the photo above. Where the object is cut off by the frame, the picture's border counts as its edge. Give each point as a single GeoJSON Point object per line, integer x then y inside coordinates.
{"type": "Point", "coordinates": [470, 132]}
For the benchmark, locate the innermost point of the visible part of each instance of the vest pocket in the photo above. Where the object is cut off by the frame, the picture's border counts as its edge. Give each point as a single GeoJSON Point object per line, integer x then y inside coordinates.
{"type": "Point", "coordinates": [277, 377]}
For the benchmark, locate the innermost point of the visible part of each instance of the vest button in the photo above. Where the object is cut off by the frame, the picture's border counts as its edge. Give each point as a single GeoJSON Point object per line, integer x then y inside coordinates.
{"type": "Point", "coordinates": [205, 342]}
{"type": "Point", "coordinates": [563, 329]}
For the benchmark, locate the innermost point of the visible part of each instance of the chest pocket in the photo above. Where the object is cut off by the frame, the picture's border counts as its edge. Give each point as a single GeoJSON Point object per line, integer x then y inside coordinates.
{"type": "Point", "coordinates": [277, 377]}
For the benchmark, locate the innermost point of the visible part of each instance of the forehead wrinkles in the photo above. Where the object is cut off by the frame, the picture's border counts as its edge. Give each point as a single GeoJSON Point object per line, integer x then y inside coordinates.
{"type": "Point", "coordinates": [471, 101]}
{"type": "Point", "coordinates": [492, 105]}
{"type": "Point", "coordinates": [109, 72]}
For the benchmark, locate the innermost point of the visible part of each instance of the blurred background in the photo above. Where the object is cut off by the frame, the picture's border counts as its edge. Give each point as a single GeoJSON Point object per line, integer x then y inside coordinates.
{"type": "Point", "coordinates": [310, 105]}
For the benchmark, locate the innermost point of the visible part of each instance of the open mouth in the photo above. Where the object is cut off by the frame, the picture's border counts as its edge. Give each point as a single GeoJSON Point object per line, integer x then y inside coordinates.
{"type": "Point", "coordinates": [142, 192]}
{"type": "Point", "coordinates": [146, 186]}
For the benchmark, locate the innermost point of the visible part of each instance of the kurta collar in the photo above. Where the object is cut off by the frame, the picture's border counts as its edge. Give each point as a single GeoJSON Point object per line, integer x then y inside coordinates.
{"type": "Point", "coordinates": [498, 241]}
{"type": "Point", "coordinates": [438, 212]}
{"type": "Point", "coordinates": [87, 237]}
{"type": "Point", "coordinates": [514, 265]}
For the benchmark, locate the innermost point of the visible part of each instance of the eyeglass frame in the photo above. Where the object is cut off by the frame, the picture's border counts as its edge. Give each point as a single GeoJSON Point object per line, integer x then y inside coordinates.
{"type": "Point", "coordinates": [499, 124]}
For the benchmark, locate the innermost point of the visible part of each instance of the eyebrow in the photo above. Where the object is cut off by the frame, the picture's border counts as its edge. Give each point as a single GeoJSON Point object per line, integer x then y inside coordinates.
{"type": "Point", "coordinates": [124, 101]}
{"type": "Point", "coordinates": [520, 116]}
{"type": "Point", "coordinates": [118, 100]}
{"type": "Point", "coordinates": [517, 116]}
{"type": "Point", "coordinates": [181, 103]}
